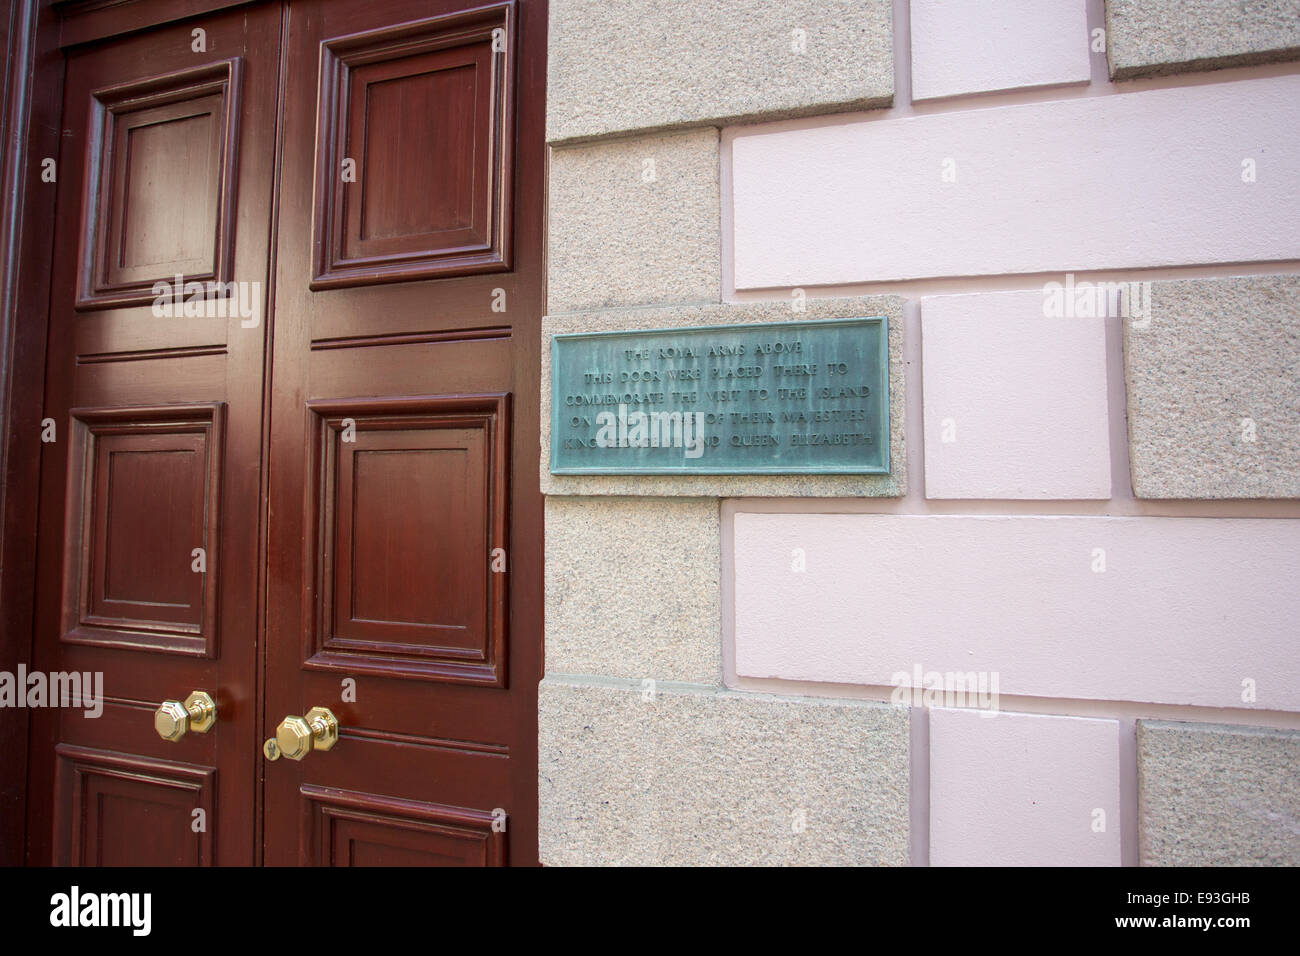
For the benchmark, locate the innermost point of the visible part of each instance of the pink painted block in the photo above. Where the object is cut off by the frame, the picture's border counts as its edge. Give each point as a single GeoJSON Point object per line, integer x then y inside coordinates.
{"type": "Point", "coordinates": [977, 46]}
{"type": "Point", "coordinates": [1185, 610]}
{"type": "Point", "coordinates": [1023, 790]}
{"type": "Point", "coordinates": [1090, 183]}
{"type": "Point", "coordinates": [1015, 402]}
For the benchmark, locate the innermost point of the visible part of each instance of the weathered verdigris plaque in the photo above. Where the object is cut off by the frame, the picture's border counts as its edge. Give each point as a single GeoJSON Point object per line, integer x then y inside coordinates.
{"type": "Point", "coordinates": [773, 398]}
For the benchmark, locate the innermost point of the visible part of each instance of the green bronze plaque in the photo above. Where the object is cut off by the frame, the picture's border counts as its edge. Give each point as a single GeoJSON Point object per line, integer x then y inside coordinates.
{"type": "Point", "coordinates": [773, 398]}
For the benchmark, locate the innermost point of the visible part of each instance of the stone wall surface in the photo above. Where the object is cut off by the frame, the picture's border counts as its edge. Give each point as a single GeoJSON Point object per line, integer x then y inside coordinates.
{"type": "Point", "coordinates": [1214, 389]}
{"type": "Point", "coordinates": [687, 774]}
{"type": "Point", "coordinates": [1216, 795]}
{"type": "Point", "coordinates": [1101, 513]}
{"type": "Point", "coordinates": [617, 66]}
{"type": "Point", "coordinates": [1155, 37]}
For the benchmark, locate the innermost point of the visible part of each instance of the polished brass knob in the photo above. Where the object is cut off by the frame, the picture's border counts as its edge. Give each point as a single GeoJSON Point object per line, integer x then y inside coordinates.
{"type": "Point", "coordinates": [296, 737]}
{"type": "Point", "coordinates": [173, 719]}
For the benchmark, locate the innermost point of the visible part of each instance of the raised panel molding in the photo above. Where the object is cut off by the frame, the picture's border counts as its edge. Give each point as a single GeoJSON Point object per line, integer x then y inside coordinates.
{"type": "Point", "coordinates": [178, 132]}
{"type": "Point", "coordinates": [408, 505]}
{"type": "Point", "coordinates": [347, 828]}
{"type": "Point", "coordinates": [122, 809]}
{"type": "Point", "coordinates": [438, 206]}
{"type": "Point", "coordinates": [144, 490]}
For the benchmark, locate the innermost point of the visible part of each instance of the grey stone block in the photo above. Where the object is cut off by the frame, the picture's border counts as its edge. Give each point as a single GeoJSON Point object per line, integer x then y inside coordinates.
{"type": "Point", "coordinates": [1154, 37]}
{"type": "Point", "coordinates": [1218, 795]}
{"type": "Point", "coordinates": [635, 221]}
{"type": "Point", "coordinates": [696, 775]}
{"type": "Point", "coordinates": [722, 486]}
{"type": "Point", "coordinates": [632, 588]}
{"type": "Point", "coordinates": [1214, 389]}
{"type": "Point", "coordinates": [628, 65]}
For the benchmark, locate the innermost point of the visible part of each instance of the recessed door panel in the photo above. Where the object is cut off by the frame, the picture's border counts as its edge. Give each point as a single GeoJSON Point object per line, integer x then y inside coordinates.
{"type": "Point", "coordinates": [143, 513]}
{"type": "Point", "coordinates": [415, 147]}
{"type": "Point", "coordinates": [409, 497]}
{"type": "Point", "coordinates": [346, 828]}
{"type": "Point", "coordinates": [160, 177]}
{"type": "Point", "coordinates": [119, 810]}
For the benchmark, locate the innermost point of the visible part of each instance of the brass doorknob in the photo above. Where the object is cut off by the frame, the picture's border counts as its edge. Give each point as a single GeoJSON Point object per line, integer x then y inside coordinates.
{"type": "Point", "coordinates": [173, 719]}
{"type": "Point", "coordinates": [296, 737]}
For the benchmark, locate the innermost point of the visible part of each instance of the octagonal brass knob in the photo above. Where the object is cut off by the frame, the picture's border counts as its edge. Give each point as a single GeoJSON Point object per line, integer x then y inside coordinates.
{"type": "Point", "coordinates": [296, 737]}
{"type": "Point", "coordinates": [173, 719]}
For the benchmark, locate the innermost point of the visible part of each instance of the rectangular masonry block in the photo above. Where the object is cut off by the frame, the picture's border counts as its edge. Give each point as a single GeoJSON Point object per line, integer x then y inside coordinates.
{"type": "Point", "coordinates": [676, 775]}
{"type": "Point", "coordinates": [978, 46]}
{"type": "Point", "coordinates": [632, 588]}
{"type": "Point", "coordinates": [1151, 37]}
{"type": "Point", "coordinates": [1194, 611]}
{"type": "Point", "coordinates": [635, 221]}
{"type": "Point", "coordinates": [1213, 378]}
{"type": "Point", "coordinates": [1023, 790]}
{"type": "Point", "coordinates": [1218, 795]}
{"type": "Point", "coordinates": [628, 65]}
{"type": "Point", "coordinates": [1015, 401]}
{"type": "Point", "coordinates": [1150, 178]}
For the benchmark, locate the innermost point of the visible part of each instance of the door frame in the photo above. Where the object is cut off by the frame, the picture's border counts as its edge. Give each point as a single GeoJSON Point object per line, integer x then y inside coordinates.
{"type": "Point", "coordinates": [29, 132]}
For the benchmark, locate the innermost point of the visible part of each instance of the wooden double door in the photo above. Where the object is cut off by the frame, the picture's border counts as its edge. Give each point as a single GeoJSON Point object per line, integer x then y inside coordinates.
{"type": "Point", "coordinates": [291, 400]}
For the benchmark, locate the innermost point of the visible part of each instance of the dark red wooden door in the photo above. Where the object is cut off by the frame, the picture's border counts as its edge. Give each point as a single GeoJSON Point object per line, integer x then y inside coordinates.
{"type": "Point", "coordinates": [148, 542]}
{"type": "Point", "coordinates": [405, 530]}
{"type": "Point", "coordinates": [331, 502]}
